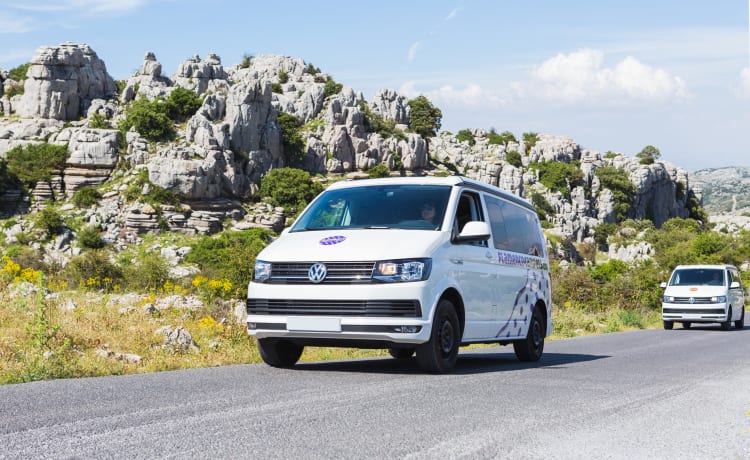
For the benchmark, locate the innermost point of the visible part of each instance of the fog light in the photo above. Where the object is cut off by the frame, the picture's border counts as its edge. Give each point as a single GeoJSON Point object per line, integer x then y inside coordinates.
{"type": "Point", "coordinates": [407, 329]}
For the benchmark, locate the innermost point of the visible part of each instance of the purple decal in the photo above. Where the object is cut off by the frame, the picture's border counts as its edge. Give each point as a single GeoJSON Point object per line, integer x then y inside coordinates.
{"type": "Point", "coordinates": [330, 240]}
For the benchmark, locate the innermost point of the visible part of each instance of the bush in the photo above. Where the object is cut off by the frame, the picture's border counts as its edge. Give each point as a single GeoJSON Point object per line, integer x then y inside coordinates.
{"type": "Point", "coordinates": [276, 88]}
{"type": "Point", "coordinates": [291, 139]}
{"type": "Point", "coordinates": [283, 76]}
{"type": "Point", "coordinates": [514, 158]}
{"type": "Point", "coordinates": [503, 138]}
{"type": "Point", "coordinates": [99, 121]}
{"type": "Point", "coordinates": [379, 170]}
{"type": "Point", "coordinates": [88, 237]}
{"type": "Point", "coordinates": [543, 207]}
{"type": "Point", "coordinates": [465, 135]}
{"type": "Point", "coordinates": [559, 176]}
{"type": "Point", "coordinates": [150, 119]}
{"type": "Point", "coordinates": [247, 60]}
{"type": "Point", "coordinates": [19, 73]}
{"type": "Point", "coordinates": [290, 188]}
{"type": "Point", "coordinates": [148, 273]}
{"type": "Point", "coordinates": [229, 256]}
{"type": "Point", "coordinates": [425, 118]}
{"type": "Point", "coordinates": [50, 221]}
{"type": "Point", "coordinates": [86, 196]}
{"type": "Point", "coordinates": [93, 268]}
{"type": "Point", "coordinates": [623, 191]}
{"type": "Point", "coordinates": [332, 87]}
{"type": "Point", "coordinates": [182, 104]}
{"type": "Point", "coordinates": [35, 162]}
{"type": "Point", "coordinates": [375, 123]}
{"type": "Point", "coordinates": [530, 139]}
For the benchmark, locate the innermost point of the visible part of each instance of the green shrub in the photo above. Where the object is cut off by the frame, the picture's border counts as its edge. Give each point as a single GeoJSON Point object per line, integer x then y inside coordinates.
{"type": "Point", "coordinates": [89, 237]}
{"type": "Point", "coordinates": [332, 87]}
{"type": "Point", "coordinates": [229, 255]}
{"type": "Point", "coordinates": [465, 135]}
{"type": "Point", "coordinates": [312, 70]}
{"type": "Point", "coordinates": [623, 191]}
{"type": "Point", "coordinates": [424, 119]}
{"type": "Point", "coordinates": [99, 121]}
{"type": "Point", "coordinates": [530, 139]}
{"type": "Point", "coordinates": [503, 138]}
{"type": "Point", "coordinates": [608, 271]}
{"type": "Point", "coordinates": [559, 176]}
{"type": "Point", "coordinates": [543, 207]}
{"type": "Point", "coordinates": [291, 139]}
{"type": "Point", "coordinates": [86, 196]}
{"type": "Point", "coordinates": [35, 162]}
{"type": "Point", "coordinates": [181, 104]}
{"type": "Point", "coordinates": [283, 76]}
{"type": "Point", "coordinates": [50, 221]}
{"type": "Point", "coordinates": [14, 90]}
{"type": "Point", "coordinates": [150, 119]}
{"type": "Point", "coordinates": [276, 88]}
{"type": "Point", "coordinates": [514, 158]}
{"type": "Point", "coordinates": [375, 123]}
{"type": "Point", "coordinates": [603, 231]}
{"type": "Point", "coordinates": [379, 170]}
{"type": "Point", "coordinates": [247, 60]}
{"type": "Point", "coordinates": [92, 265]}
{"type": "Point", "coordinates": [148, 273]}
{"type": "Point", "coordinates": [19, 73]}
{"type": "Point", "coordinates": [290, 188]}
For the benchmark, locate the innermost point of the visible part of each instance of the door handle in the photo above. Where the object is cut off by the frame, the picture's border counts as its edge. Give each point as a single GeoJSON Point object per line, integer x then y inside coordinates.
{"type": "Point", "coordinates": [457, 260]}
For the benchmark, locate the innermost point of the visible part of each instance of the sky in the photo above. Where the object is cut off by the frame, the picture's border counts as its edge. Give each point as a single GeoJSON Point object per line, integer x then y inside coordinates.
{"type": "Point", "coordinates": [612, 75]}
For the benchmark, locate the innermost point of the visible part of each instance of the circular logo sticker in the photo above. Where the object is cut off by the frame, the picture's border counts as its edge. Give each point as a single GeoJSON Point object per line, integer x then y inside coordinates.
{"type": "Point", "coordinates": [328, 241]}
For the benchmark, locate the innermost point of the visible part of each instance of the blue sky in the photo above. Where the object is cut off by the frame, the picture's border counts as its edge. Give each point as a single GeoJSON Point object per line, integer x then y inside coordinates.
{"type": "Point", "coordinates": [615, 75]}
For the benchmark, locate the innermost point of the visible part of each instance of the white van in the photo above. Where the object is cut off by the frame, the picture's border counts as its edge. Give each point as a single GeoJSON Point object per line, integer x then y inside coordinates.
{"type": "Point", "coordinates": [412, 265]}
{"type": "Point", "coordinates": [704, 294]}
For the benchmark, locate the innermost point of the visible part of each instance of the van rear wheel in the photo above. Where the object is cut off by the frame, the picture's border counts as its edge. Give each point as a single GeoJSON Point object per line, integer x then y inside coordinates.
{"type": "Point", "coordinates": [531, 348]}
{"type": "Point", "coordinates": [279, 352]}
{"type": "Point", "coordinates": [439, 354]}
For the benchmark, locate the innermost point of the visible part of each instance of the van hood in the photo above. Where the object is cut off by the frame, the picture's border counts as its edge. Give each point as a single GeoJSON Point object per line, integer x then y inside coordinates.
{"type": "Point", "coordinates": [352, 245]}
{"type": "Point", "coordinates": [695, 291]}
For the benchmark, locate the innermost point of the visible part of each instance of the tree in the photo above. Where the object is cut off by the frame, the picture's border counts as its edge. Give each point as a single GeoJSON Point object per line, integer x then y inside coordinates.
{"type": "Point", "coordinates": [465, 135]}
{"type": "Point", "coordinates": [181, 104]}
{"type": "Point", "coordinates": [623, 191]}
{"type": "Point", "coordinates": [291, 139]}
{"type": "Point", "coordinates": [425, 117]}
{"type": "Point", "coordinates": [648, 155]}
{"type": "Point", "coordinates": [35, 162]}
{"type": "Point", "coordinates": [150, 119]}
{"type": "Point", "coordinates": [289, 188]}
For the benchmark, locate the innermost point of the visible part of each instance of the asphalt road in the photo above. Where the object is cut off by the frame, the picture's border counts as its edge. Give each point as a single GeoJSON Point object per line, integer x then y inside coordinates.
{"type": "Point", "coordinates": [654, 394]}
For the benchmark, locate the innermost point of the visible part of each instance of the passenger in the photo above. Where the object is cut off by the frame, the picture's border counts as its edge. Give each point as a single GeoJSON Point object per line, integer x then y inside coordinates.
{"type": "Point", "coordinates": [428, 212]}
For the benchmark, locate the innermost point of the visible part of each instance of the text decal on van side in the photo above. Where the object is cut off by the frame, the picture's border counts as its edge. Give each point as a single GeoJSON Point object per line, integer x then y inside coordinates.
{"type": "Point", "coordinates": [520, 260]}
{"type": "Point", "coordinates": [329, 240]}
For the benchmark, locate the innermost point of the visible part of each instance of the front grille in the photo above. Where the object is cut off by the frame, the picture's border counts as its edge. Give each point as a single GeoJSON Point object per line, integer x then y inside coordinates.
{"type": "Point", "coordinates": [383, 308]}
{"type": "Point", "coordinates": [696, 300]}
{"type": "Point", "coordinates": [338, 273]}
{"type": "Point", "coordinates": [689, 311]}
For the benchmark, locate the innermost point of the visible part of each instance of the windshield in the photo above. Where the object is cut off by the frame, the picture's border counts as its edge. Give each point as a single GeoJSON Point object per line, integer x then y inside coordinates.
{"type": "Point", "coordinates": [698, 277]}
{"type": "Point", "coordinates": [419, 207]}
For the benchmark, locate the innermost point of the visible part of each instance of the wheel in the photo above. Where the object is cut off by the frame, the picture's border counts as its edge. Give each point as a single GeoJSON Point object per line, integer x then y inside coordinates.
{"type": "Point", "coordinates": [686, 325]}
{"type": "Point", "coordinates": [439, 354]}
{"type": "Point", "coordinates": [279, 352]}
{"type": "Point", "coordinates": [726, 324]}
{"type": "Point", "coordinates": [401, 353]}
{"type": "Point", "coordinates": [740, 323]}
{"type": "Point", "coordinates": [668, 325]}
{"type": "Point", "coordinates": [531, 348]}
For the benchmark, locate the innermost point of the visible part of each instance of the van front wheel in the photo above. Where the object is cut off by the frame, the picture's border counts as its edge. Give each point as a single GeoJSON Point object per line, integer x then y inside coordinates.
{"type": "Point", "coordinates": [725, 325]}
{"type": "Point", "coordinates": [439, 354]}
{"type": "Point", "coordinates": [279, 352]}
{"type": "Point", "coordinates": [531, 348]}
{"type": "Point", "coordinates": [740, 323]}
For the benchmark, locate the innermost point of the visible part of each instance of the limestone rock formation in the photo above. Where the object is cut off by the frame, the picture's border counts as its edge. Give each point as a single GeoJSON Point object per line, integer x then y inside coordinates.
{"type": "Point", "coordinates": [147, 82]}
{"type": "Point", "coordinates": [62, 81]}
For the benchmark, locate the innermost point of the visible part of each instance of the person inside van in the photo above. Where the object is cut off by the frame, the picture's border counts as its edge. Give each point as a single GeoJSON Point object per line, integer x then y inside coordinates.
{"type": "Point", "coordinates": [428, 212]}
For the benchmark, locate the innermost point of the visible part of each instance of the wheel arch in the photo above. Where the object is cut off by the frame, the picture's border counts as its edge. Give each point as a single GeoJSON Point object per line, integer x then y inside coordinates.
{"type": "Point", "coordinates": [455, 298]}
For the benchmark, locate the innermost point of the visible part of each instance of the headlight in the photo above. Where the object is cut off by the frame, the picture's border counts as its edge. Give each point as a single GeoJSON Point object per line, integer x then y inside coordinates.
{"type": "Point", "coordinates": [262, 271]}
{"type": "Point", "coordinates": [719, 299]}
{"type": "Point", "coordinates": [668, 299]}
{"type": "Point", "coordinates": [399, 271]}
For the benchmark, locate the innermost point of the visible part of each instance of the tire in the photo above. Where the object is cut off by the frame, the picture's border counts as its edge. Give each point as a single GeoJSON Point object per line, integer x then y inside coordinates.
{"type": "Point", "coordinates": [686, 325]}
{"type": "Point", "coordinates": [401, 353]}
{"type": "Point", "coordinates": [740, 323]}
{"type": "Point", "coordinates": [531, 348]}
{"type": "Point", "coordinates": [725, 325]}
{"type": "Point", "coordinates": [668, 325]}
{"type": "Point", "coordinates": [439, 354]}
{"type": "Point", "coordinates": [279, 352]}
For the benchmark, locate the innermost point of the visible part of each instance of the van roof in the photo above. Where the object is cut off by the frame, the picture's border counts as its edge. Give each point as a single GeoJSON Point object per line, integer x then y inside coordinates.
{"type": "Point", "coordinates": [721, 266]}
{"type": "Point", "coordinates": [434, 180]}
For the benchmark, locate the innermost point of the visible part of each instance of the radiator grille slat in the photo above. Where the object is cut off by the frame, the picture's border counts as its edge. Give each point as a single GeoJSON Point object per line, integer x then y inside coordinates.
{"type": "Point", "coordinates": [338, 273]}
{"type": "Point", "coordinates": [381, 308]}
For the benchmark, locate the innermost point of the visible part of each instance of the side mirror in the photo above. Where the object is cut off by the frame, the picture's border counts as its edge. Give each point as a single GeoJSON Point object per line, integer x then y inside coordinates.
{"type": "Point", "coordinates": [473, 231]}
{"type": "Point", "coordinates": [734, 285]}
{"type": "Point", "coordinates": [663, 284]}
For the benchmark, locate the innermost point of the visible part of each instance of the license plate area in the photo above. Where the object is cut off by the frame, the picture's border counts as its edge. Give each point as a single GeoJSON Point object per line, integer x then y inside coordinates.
{"type": "Point", "coordinates": [313, 324]}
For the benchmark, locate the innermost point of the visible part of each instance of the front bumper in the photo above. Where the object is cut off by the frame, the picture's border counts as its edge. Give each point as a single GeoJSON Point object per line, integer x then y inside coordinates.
{"type": "Point", "coordinates": [707, 313]}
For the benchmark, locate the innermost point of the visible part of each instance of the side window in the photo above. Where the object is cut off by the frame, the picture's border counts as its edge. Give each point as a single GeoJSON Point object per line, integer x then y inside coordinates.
{"type": "Point", "coordinates": [522, 230]}
{"type": "Point", "coordinates": [468, 210]}
{"type": "Point", "coordinates": [497, 222]}
{"type": "Point", "coordinates": [734, 276]}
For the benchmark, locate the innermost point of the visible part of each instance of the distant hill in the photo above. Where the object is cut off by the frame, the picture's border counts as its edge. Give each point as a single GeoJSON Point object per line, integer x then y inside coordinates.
{"type": "Point", "coordinates": [724, 190]}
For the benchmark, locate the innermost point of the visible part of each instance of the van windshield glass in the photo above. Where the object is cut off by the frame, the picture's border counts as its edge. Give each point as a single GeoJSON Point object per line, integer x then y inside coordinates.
{"type": "Point", "coordinates": [698, 277]}
{"type": "Point", "coordinates": [416, 207]}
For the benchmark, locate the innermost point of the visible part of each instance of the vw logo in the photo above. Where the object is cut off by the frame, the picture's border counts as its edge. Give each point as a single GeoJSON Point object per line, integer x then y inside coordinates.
{"type": "Point", "coordinates": [317, 273]}
{"type": "Point", "coordinates": [691, 300]}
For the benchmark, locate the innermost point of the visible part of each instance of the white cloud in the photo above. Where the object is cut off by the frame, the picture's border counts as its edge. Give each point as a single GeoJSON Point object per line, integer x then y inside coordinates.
{"type": "Point", "coordinates": [85, 6]}
{"type": "Point", "coordinates": [412, 54]}
{"type": "Point", "coordinates": [744, 87]}
{"type": "Point", "coordinates": [581, 77]}
{"type": "Point", "coordinates": [471, 96]}
{"type": "Point", "coordinates": [454, 13]}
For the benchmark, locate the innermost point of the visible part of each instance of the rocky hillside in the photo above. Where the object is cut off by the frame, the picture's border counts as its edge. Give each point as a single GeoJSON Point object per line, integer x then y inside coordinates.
{"type": "Point", "coordinates": [215, 163]}
{"type": "Point", "coordinates": [724, 190]}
